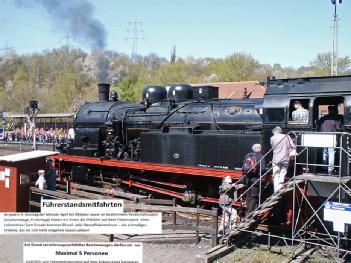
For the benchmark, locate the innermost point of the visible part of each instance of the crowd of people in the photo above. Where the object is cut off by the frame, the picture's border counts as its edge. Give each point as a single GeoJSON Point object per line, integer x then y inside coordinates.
{"type": "Point", "coordinates": [41, 135]}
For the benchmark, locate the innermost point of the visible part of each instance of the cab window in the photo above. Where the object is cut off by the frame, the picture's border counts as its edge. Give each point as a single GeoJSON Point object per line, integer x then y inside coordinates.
{"type": "Point", "coordinates": [321, 105]}
{"type": "Point", "coordinates": [275, 115]}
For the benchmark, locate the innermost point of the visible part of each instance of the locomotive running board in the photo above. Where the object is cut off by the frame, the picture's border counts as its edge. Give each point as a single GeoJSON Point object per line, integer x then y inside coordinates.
{"type": "Point", "coordinates": [165, 168]}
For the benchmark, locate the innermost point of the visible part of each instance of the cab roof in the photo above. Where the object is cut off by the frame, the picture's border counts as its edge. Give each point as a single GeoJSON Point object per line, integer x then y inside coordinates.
{"type": "Point", "coordinates": [310, 85]}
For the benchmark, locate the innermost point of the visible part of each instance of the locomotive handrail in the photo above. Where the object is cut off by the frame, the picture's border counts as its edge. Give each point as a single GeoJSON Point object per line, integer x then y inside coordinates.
{"type": "Point", "coordinates": [174, 111]}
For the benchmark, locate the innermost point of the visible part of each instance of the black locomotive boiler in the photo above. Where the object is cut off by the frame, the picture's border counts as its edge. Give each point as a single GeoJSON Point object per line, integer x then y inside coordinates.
{"type": "Point", "coordinates": [183, 128]}
{"type": "Point", "coordinates": [180, 142]}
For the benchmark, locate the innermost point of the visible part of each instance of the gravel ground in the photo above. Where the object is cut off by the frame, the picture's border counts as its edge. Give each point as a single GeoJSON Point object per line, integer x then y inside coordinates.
{"type": "Point", "coordinates": [12, 250]}
{"type": "Point", "coordinates": [277, 255]}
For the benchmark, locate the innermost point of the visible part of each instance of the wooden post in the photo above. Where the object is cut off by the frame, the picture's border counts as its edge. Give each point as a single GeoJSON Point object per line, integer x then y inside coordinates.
{"type": "Point", "coordinates": [174, 214]}
{"type": "Point", "coordinates": [197, 227]}
{"type": "Point", "coordinates": [30, 199]}
{"type": "Point", "coordinates": [215, 227]}
{"type": "Point", "coordinates": [68, 187]}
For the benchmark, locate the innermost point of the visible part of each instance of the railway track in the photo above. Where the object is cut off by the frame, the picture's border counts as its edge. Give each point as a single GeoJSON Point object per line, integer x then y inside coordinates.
{"type": "Point", "coordinates": [179, 224]}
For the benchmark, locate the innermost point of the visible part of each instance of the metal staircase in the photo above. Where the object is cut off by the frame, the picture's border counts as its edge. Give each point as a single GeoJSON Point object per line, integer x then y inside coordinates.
{"type": "Point", "coordinates": [262, 207]}
{"type": "Point", "coordinates": [301, 233]}
{"type": "Point", "coordinates": [261, 210]}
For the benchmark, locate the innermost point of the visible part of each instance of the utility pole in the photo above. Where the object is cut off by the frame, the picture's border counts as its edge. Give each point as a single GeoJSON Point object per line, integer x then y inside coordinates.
{"type": "Point", "coordinates": [135, 30]}
{"type": "Point", "coordinates": [65, 46]}
{"type": "Point", "coordinates": [5, 50]}
{"type": "Point", "coordinates": [66, 38]}
{"type": "Point", "coordinates": [173, 55]}
{"type": "Point", "coordinates": [334, 58]}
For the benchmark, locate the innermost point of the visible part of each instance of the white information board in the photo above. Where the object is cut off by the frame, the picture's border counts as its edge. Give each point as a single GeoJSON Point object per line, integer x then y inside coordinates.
{"type": "Point", "coordinates": [318, 140]}
{"type": "Point", "coordinates": [82, 252]}
{"type": "Point", "coordinates": [339, 214]}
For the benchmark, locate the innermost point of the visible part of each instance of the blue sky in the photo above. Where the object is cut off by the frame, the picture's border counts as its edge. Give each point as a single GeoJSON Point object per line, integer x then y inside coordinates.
{"type": "Point", "coordinates": [289, 32]}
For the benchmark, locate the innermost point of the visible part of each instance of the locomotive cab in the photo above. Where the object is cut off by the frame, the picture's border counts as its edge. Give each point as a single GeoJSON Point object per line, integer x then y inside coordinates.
{"type": "Point", "coordinates": [313, 95]}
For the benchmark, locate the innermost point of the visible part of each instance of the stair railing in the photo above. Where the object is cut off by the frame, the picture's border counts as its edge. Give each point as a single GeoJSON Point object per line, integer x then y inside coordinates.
{"type": "Point", "coordinates": [261, 176]}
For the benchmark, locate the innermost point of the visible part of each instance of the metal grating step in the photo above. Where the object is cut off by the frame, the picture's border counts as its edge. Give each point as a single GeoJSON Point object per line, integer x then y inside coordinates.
{"type": "Point", "coordinates": [262, 209]}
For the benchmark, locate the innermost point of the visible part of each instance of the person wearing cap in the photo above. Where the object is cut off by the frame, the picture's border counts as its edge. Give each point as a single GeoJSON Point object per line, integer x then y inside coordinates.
{"type": "Point", "coordinates": [282, 145]}
{"type": "Point", "coordinates": [332, 122]}
{"type": "Point", "coordinates": [252, 176]}
{"type": "Point", "coordinates": [300, 114]}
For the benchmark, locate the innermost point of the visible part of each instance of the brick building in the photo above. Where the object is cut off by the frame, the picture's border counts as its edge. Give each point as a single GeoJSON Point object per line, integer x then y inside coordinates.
{"type": "Point", "coordinates": [235, 90]}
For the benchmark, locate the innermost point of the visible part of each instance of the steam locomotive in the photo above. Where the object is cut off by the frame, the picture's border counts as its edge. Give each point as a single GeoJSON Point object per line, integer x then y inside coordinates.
{"type": "Point", "coordinates": [174, 129]}
{"type": "Point", "coordinates": [181, 141]}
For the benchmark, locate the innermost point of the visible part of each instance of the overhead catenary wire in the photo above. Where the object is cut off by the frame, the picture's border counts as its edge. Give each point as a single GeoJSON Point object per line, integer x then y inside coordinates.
{"type": "Point", "coordinates": [25, 9]}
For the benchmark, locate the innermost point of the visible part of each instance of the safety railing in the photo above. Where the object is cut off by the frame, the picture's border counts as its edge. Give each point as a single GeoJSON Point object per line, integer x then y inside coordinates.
{"type": "Point", "coordinates": [20, 146]}
{"type": "Point", "coordinates": [340, 142]}
{"type": "Point", "coordinates": [259, 179]}
{"type": "Point", "coordinates": [310, 145]}
{"type": "Point", "coordinates": [299, 152]}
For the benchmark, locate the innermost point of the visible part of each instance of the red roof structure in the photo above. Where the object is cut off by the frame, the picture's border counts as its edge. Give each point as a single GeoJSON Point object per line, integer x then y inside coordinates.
{"type": "Point", "coordinates": [235, 90]}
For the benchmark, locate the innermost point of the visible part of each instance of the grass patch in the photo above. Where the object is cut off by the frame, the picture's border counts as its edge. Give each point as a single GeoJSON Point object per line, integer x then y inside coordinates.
{"type": "Point", "coordinates": [262, 255]}
{"type": "Point", "coordinates": [253, 255]}
{"type": "Point", "coordinates": [318, 257]}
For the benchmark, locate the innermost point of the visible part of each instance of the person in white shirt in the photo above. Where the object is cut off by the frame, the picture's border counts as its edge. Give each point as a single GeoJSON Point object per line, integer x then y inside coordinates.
{"type": "Point", "coordinates": [300, 114]}
{"type": "Point", "coordinates": [41, 182]}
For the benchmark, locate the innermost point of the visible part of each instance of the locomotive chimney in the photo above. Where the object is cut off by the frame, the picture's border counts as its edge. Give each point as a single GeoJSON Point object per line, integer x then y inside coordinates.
{"type": "Point", "coordinates": [104, 91]}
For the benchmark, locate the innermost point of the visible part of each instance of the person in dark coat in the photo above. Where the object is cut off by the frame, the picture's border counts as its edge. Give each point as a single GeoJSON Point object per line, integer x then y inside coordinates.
{"type": "Point", "coordinates": [50, 175]}
{"type": "Point", "coordinates": [332, 122]}
{"type": "Point", "coordinates": [254, 165]}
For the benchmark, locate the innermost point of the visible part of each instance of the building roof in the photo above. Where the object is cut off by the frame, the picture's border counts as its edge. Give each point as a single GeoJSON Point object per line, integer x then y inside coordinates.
{"type": "Point", "coordinates": [26, 156]}
{"type": "Point", "coordinates": [235, 90]}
